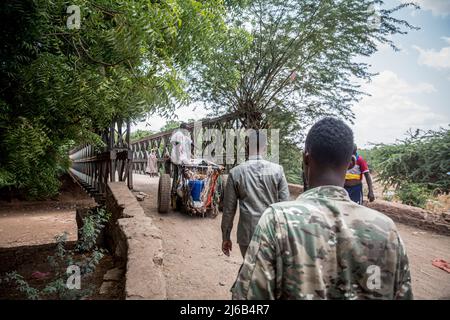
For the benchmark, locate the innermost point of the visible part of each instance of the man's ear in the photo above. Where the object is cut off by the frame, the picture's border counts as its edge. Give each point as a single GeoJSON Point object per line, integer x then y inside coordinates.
{"type": "Point", "coordinates": [352, 162]}
{"type": "Point", "coordinates": [306, 157]}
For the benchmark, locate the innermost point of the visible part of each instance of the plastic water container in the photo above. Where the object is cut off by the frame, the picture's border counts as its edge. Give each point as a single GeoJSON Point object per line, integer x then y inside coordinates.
{"type": "Point", "coordinates": [196, 187]}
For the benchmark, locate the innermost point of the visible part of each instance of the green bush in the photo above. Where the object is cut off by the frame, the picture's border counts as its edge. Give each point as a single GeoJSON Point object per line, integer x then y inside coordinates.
{"type": "Point", "coordinates": [422, 158]}
{"type": "Point", "coordinates": [62, 258]}
{"type": "Point", "coordinates": [413, 194]}
{"type": "Point", "coordinates": [93, 224]}
{"type": "Point", "coordinates": [291, 160]}
{"type": "Point", "coordinates": [31, 160]}
{"type": "Point", "coordinates": [416, 166]}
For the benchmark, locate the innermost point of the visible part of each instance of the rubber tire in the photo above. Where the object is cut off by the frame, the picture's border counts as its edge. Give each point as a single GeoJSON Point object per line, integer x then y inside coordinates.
{"type": "Point", "coordinates": [164, 190]}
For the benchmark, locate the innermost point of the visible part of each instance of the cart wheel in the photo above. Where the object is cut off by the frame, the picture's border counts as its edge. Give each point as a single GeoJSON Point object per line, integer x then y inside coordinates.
{"type": "Point", "coordinates": [222, 191]}
{"type": "Point", "coordinates": [164, 190]}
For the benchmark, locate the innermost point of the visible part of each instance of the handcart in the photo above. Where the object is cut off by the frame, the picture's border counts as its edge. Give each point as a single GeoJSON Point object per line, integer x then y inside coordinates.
{"type": "Point", "coordinates": [197, 189]}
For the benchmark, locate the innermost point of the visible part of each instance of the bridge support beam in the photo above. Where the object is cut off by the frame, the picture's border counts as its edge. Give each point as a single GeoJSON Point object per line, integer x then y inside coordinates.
{"type": "Point", "coordinates": [94, 166]}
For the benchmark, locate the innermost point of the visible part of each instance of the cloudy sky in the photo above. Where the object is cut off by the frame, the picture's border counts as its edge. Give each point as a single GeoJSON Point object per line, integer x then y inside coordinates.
{"type": "Point", "coordinates": [412, 88]}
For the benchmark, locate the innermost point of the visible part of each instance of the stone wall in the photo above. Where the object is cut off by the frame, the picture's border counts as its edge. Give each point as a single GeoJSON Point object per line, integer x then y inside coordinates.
{"type": "Point", "coordinates": [295, 190]}
{"type": "Point", "coordinates": [132, 236]}
{"type": "Point", "coordinates": [417, 217]}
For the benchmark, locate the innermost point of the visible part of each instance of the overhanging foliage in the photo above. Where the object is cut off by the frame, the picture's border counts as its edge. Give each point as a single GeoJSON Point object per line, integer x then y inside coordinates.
{"type": "Point", "coordinates": [62, 86]}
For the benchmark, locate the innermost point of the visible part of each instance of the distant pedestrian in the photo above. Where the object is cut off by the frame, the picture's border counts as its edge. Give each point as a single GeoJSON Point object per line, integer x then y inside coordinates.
{"type": "Point", "coordinates": [152, 164]}
{"type": "Point", "coordinates": [354, 176]}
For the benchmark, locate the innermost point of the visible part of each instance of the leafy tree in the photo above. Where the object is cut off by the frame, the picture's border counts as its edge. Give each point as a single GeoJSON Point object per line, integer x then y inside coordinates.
{"type": "Point", "coordinates": [284, 63]}
{"type": "Point", "coordinates": [294, 56]}
{"type": "Point", "coordinates": [63, 86]}
{"type": "Point", "coordinates": [422, 159]}
{"type": "Point", "coordinates": [139, 134]}
{"type": "Point", "coordinates": [174, 124]}
{"type": "Point", "coordinates": [170, 125]}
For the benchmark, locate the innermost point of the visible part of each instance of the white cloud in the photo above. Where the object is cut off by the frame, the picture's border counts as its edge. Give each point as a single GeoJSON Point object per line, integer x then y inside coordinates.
{"type": "Point", "coordinates": [391, 110]}
{"type": "Point", "coordinates": [435, 59]}
{"type": "Point", "coordinates": [437, 7]}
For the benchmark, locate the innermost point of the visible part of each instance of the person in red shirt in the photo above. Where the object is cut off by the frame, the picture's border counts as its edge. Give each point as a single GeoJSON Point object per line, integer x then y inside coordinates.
{"type": "Point", "coordinates": [353, 179]}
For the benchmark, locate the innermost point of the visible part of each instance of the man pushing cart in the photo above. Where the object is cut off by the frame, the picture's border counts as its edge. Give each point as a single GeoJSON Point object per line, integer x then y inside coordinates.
{"type": "Point", "coordinates": [197, 186]}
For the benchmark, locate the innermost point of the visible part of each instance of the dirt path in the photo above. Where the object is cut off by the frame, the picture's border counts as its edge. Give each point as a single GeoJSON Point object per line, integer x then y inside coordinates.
{"type": "Point", "coordinates": [429, 282]}
{"type": "Point", "coordinates": [194, 265]}
{"type": "Point", "coordinates": [195, 268]}
{"type": "Point", "coordinates": [26, 223]}
{"type": "Point", "coordinates": [35, 226]}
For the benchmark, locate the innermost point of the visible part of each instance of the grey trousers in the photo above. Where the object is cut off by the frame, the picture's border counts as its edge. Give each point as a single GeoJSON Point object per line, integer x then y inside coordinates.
{"type": "Point", "coordinates": [243, 250]}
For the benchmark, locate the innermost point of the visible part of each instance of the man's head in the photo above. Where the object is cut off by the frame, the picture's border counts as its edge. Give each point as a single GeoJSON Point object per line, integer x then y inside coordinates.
{"type": "Point", "coordinates": [184, 129]}
{"type": "Point", "coordinates": [257, 142]}
{"type": "Point", "coordinates": [328, 152]}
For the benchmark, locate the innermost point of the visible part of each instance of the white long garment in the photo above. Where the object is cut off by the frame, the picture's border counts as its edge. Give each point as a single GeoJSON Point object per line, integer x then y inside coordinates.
{"type": "Point", "coordinates": [181, 147]}
{"type": "Point", "coordinates": [152, 164]}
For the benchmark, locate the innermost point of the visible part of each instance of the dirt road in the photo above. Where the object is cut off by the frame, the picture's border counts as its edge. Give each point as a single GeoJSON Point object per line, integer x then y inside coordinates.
{"type": "Point", "coordinates": [35, 226]}
{"type": "Point", "coordinates": [429, 282]}
{"type": "Point", "coordinates": [26, 223]}
{"type": "Point", "coordinates": [195, 267]}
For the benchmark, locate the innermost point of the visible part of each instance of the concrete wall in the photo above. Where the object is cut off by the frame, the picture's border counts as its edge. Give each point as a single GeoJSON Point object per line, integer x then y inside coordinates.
{"type": "Point", "coordinates": [132, 236]}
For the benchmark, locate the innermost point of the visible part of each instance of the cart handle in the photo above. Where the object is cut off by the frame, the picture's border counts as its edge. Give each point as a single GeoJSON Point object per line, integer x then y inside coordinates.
{"type": "Point", "coordinates": [200, 166]}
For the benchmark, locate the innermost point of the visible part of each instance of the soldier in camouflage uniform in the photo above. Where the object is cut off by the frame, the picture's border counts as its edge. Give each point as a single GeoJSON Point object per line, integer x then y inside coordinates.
{"type": "Point", "coordinates": [323, 245]}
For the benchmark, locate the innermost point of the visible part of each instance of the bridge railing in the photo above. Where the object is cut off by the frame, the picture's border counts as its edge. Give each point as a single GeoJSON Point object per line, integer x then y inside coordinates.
{"type": "Point", "coordinates": [160, 142]}
{"type": "Point", "coordinates": [92, 167]}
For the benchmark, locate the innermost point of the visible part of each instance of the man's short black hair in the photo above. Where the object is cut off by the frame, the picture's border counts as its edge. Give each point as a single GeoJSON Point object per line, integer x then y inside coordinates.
{"type": "Point", "coordinates": [330, 142]}
{"type": "Point", "coordinates": [184, 125]}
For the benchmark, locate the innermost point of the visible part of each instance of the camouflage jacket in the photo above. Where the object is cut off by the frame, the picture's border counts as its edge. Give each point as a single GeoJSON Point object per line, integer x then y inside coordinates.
{"type": "Point", "coordinates": [324, 246]}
